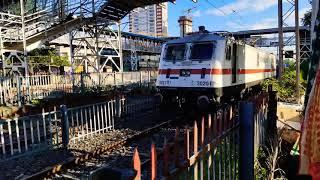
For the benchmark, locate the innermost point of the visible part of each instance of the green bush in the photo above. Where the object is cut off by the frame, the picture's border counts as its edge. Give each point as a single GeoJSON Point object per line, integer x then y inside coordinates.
{"type": "Point", "coordinates": [46, 56]}
{"type": "Point", "coordinates": [286, 87]}
{"type": "Point", "coordinates": [40, 59]}
{"type": "Point", "coordinates": [260, 171]}
{"type": "Point", "coordinates": [36, 102]}
{"type": "Point", "coordinates": [14, 7]}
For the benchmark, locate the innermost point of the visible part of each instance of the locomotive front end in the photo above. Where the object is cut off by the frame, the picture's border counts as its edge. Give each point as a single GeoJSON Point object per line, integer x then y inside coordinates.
{"type": "Point", "coordinates": [187, 69]}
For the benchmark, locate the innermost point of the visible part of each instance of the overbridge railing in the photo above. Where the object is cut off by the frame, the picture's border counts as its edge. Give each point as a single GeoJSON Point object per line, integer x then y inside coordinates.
{"type": "Point", "coordinates": [45, 15]}
{"type": "Point", "coordinates": [142, 46]}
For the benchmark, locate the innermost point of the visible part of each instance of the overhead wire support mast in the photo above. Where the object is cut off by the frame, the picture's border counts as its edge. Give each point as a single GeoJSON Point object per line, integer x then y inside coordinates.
{"type": "Point", "coordinates": [297, 49]}
{"type": "Point", "coordinates": [294, 7]}
{"type": "Point", "coordinates": [280, 28]}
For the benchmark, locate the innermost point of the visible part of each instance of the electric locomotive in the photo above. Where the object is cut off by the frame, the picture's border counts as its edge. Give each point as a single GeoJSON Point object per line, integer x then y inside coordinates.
{"type": "Point", "coordinates": [206, 67]}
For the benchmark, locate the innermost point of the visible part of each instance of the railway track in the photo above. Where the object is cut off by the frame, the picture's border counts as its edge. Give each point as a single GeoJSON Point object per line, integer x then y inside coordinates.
{"type": "Point", "coordinates": [81, 160]}
{"type": "Point", "coordinates": [86, 157]}
{"type": "Point", "coordinates": [86, 160]}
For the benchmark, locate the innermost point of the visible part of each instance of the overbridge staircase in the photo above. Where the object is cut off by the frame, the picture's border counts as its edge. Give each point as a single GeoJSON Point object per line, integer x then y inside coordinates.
{"type": "Point", "coordinates": [47, 24]}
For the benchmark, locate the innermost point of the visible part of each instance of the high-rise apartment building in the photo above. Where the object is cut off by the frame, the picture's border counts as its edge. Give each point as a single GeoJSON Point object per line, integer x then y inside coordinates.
{"type": "Point", "coordinates": [151, 20]}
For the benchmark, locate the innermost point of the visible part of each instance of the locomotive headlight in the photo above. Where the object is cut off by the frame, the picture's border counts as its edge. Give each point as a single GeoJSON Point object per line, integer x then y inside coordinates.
{"type": "Point", "coordinates": [185, 72]}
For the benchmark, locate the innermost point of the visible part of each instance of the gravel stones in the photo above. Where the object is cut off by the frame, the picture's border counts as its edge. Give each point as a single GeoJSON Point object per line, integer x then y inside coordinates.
{"type": "Point", "coordinates": [22, 167]}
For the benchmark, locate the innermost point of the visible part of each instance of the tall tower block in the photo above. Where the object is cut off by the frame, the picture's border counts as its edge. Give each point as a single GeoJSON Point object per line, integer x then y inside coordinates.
{"type": "Point", "coordinates": [151, 20]}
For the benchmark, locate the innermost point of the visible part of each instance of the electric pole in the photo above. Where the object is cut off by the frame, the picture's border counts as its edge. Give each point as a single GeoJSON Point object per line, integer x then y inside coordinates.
{"type": "Point", "coordinates": [297, 50]}
{"type": "Point", "coordinates": [280, 43]}
{"type": "Point", "coordinates": [283, 16]}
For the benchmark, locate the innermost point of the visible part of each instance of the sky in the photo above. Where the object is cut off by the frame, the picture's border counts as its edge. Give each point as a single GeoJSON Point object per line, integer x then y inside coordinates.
{"type": "Point", "coordinates": [231, 15]}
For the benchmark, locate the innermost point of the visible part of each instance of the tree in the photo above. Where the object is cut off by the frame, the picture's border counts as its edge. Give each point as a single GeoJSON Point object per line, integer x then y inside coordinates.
{"type": "Point", "coordinates": [306, 20]}
{"type": "Point", "coordinates": [314, 60]}
{"type": "Point", "coordinates": [59, 60]}
{"type": "Point", "coordinates": [41, 58]}
{"type": "Point", "coordinates": [29, 5]}
{"type": "Point", "coordinates": [307, 17]}
{"type": "Point", "coordinates": [286, 88]}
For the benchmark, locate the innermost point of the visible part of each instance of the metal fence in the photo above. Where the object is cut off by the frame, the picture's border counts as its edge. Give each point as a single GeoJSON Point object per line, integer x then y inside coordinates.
{"type": "Point", "coordinates": [19, 90]}
{"type": "Point", "coordinates": [260, 121]}
{"type": "Point", "coordinates": [55, 129]}
{"type": "Point", "coordinates": [140, 108]}
{"type": "Point", "coordinates": [86, 121]}
{"type": "Point", "coordinates": [222, 146]}
{"type": "Point", "coordinates": [115, 79]}
{"type": "Point", "coordinates": [210, 150]}
{"type": "Point", "coordinates": [30, 133]}
{"type": "Point", "coordinates": [89, 120]}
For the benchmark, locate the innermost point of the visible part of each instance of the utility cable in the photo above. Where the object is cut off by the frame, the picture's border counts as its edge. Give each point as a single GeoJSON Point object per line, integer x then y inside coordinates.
{"type": "Point", "coordinates": [220, 10]}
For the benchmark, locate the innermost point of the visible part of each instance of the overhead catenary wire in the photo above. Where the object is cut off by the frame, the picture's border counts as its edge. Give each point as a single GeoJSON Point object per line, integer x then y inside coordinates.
{"type": "Point", "coordinates": [223, 12]}
{"type": "Point", "coordinates": [234, 11]}
{"type": "Point", "coordinates": [210, 3]}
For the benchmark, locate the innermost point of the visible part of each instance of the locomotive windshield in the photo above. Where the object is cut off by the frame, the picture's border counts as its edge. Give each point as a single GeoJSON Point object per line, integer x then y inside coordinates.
{"type": "Point", "coordinates": [175, 52]}
{"type": "Point", "coordinates": [202, 51]}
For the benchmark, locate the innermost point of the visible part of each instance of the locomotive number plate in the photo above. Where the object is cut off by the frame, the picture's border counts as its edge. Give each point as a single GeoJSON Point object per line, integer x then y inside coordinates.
{"type": "Point", "coordinates": [165, 83]}
{"type": "Point", "coordinates": [202, 83]}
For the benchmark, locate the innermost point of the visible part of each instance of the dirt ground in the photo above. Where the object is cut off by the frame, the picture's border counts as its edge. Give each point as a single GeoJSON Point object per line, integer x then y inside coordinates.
{"type": "Point", "coordinates": [288, 112]}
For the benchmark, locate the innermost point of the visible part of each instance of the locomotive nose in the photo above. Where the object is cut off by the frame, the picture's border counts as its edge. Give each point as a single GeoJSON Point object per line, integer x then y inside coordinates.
{"type": "Point", "coordinates": [203, 102]}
